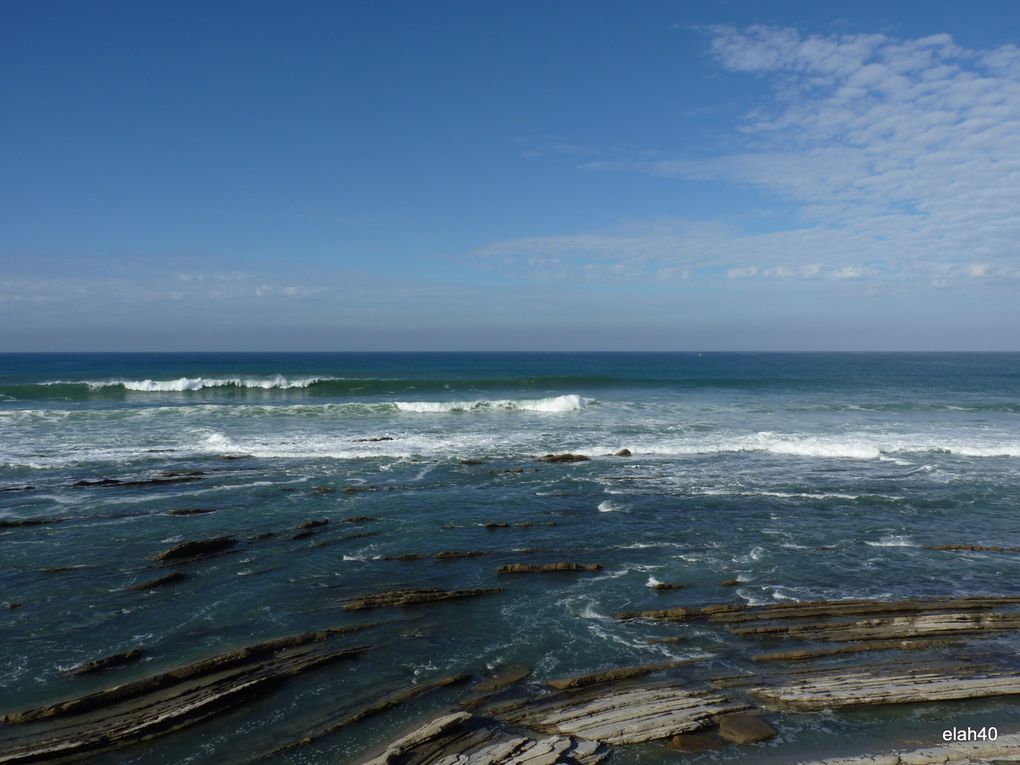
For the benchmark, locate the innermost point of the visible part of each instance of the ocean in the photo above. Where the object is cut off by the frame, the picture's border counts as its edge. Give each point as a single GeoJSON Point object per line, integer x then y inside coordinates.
{"type": "Point", "coordinates": [801, 476]}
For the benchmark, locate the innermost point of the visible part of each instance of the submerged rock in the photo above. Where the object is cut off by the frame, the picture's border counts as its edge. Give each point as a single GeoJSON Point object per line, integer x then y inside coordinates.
{"type": "Point", "coordinates": [455, 554]}
{"type": "Point", "coordinates": [662, 586]}
{"type": "Point", "coordinates": [13, 523]}
{"type": "Point", "coordinates": [314, 524]}
{"type": "Point", "coordinates": [116, 660]}
{"type": "Point", "coordinates": [623, 453]}
{"type": "Point", "coordinates": [540, 568]}
{"type": "Point", "coordinates": [472, 462]}
{"type": "Point", "coordinates": [160, 581]}
{"type": "Point", "coordinates": [373, 439]}
{"type": "Point", "coordinates": [745, 729]}
{"type": "Point", "coordinates": [358, 519]}
{"type": "Point", "coordinates": [730, 582]}
{"type": "Point", "coordinates": [193, 511]}
{"type": "Point", "coordinates": [197, 549]}
{"type": "Point", "coordinates": [696, 742]}
{"type": "Point", "coordinates": [400, 598]}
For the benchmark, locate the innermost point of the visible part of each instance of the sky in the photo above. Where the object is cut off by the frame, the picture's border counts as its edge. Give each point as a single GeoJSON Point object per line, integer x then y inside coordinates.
{"type": "Point", "coordinates": [716, 175]}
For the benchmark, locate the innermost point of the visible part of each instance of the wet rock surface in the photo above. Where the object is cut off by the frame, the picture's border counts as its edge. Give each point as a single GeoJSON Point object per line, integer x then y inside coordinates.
{"type": "Point", "coordinates": [400, 598]}
{"type": "Point", "coordinates": [106, 662]}
{"type": "Point", "coordinates": [745, 729]}
{"type": "Point", "coordinates": [197, 549]}
{"type": "Point", "coordinates": [545, 568]}
{"type": "Point", "coordinates": [566, 457]}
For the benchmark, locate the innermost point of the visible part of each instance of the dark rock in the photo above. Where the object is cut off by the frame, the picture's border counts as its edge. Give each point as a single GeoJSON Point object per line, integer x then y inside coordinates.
{"type": "Point", "coordinates": [97, 482]}
{"type": "Point", "coordinates": [10, 605]}
{"type": "Point", "coordinates": [261, 536]}
{"type": "Point", "coordinates": [364, 535]}
{"type": "Point", "coordinates": [471, 462]}
{"type": "Point", "coordinates": [667, 640]}
{"type": "Point", "coordinates": [352, 489]}
{"type": "Point", "coordinates": [972, 548]}
{"type": "Point", "coordinates": [374, 439]}
{"type": "Point", "coordinates": [529, 524]}
{"type": "Point", "coordinates": [504, 678]}
{"type": "Point", "coordinates": [744, 729]}
{"type": "Point", "coordinates": [661, 586]}
{"type": "Point", "coordinates": [541, 568]}
{"type": "Point", "coordinates": [303, 535]}
{"type": "Point", "coordinates": [405, 557]}
{"type": "Point", "coordinates": [610, 675]}
{"type": "Point", "coordinates": [565, 457]}
{"type": "Point", "coordinates": [400, 598]}
{"type": "Point", "coordinates": [696, 742]}
{"type": "Point", "coordinates": [314, 524]}
{"type": "Point", "coordinates": [495, 525]}
{"type": "Point", "coordinates": [179, 477]}
{"type": "Point", "coordinates": [159, 581]}
{"type": "Point", "coordinates": [623, 453]}
{"type": "Point", "coordinates": [182, 473]}
{"type": "Point", "coordinates": [324, 489]}
{"type": "Point", "coordinates": [358, 519]}
{"type": "Point", "coordinates": [116, 660]}
{"type": "Point", "coordinates": [730, 582]}
{"type": "Point", "coordinates": [13, 523]}
{"type": "Point", "coordinates": [196, 549]}
{"type": "Point", "coordinates": [193, 511]}
{"type": "Point", "coordinates": [454, 555]}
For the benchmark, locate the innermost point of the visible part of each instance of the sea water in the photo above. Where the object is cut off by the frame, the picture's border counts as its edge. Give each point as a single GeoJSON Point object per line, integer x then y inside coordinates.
{"type": "Point", "coordinates": [803, 476]}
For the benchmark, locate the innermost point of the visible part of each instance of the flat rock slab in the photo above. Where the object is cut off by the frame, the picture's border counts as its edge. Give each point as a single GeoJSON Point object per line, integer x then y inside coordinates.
{"type": "Point", "coordinates": [745, 729]}
{"type": "Point", "coordinates": [1005, 748]}
{"type": "Point", "coordinates": [105, 720]}
{"type": "Point", "coordinates": [619, 714]}
{"type": "Point", "coordinates": [833, 690]}
{"type": "Point", "coordinates": [463, 739]}
{"type": "Point", "coordinates": [400, 598]}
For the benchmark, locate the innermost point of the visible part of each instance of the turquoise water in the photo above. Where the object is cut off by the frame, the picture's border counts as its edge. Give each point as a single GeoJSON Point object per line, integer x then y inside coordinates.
{"type": "Point", "coordinates": [803, 475]}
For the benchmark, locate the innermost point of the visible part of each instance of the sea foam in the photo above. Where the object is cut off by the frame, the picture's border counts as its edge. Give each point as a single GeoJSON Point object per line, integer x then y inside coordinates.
{"type": "Point", "coordinates": [182, 384]}
{"type": "Point", "coordinates": [567, 403]}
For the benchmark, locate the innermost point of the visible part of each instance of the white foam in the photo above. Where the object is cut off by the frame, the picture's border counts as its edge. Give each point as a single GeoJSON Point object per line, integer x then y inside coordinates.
{"type": "Point", "coordinates": [182, 384]}
{"type": "Point", "coordinates": [893, 540]}
{"type": "Point", "coordinates": [555, 404]}
{"type": "Point", "coordinates": [608, 507]}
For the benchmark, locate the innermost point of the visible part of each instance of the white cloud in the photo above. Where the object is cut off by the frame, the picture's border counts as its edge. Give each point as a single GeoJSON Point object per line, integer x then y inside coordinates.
{"type": "Point", "coordinates": [902, 157]}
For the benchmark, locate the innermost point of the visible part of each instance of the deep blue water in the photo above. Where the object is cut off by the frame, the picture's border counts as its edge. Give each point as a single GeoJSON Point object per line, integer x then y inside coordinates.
{"type": "Point", "coordinates": [802, 475]}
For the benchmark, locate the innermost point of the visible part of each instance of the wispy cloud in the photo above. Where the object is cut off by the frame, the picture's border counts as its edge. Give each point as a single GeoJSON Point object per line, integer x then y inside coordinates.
{"type": "Point", "coordinates": [902, 157]}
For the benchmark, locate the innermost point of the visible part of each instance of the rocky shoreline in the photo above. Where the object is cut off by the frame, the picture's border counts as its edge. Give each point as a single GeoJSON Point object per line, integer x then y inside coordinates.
{"type": "Point", "coordinates": [793, 657]}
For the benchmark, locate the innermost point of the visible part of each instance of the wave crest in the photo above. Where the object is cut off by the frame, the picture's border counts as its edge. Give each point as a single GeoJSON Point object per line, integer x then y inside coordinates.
{"type": "Point", "coordinates": [567, 403]}
{"type": "Point", "coordinates": [182, 384]}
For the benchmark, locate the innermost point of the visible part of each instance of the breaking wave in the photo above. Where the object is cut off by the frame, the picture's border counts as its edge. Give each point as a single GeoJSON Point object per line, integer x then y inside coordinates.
{"type": "Point", "coordinates": [567, 403]}
{"type": "Point", "coordinates": [181, 384]}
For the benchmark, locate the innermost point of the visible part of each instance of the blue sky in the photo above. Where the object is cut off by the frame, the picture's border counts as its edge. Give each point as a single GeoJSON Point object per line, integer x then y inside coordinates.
{"type": "Point", "coordinates": [529, 175]}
